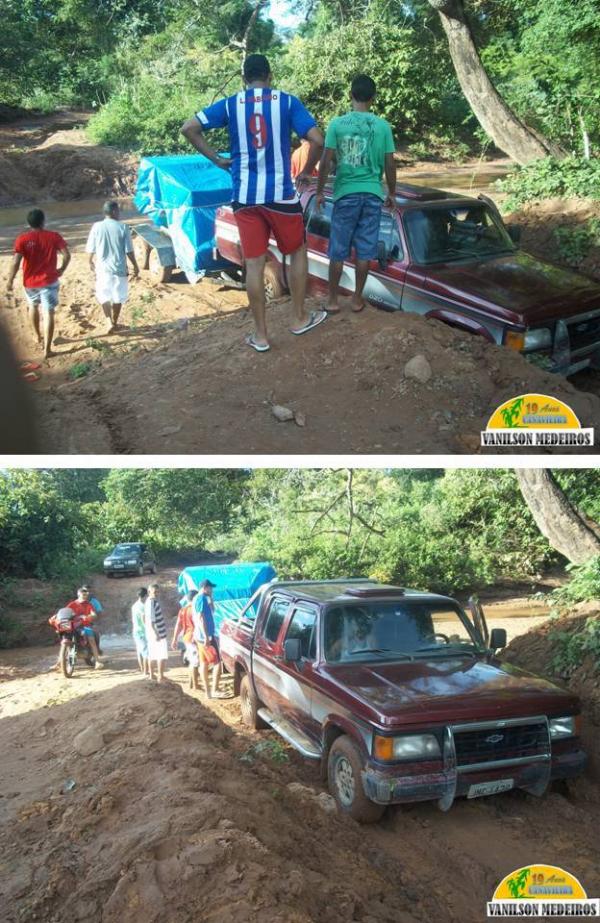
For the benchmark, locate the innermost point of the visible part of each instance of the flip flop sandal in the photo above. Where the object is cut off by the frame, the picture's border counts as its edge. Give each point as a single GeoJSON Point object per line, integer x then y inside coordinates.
{"type": "Point", "coordinates": [358, 310]}
{"type": "Point", "coordinates": [250, 341]}
{"type": "Point", "coordinates": [334, 311]}
{"type": "Point", "coordinates": [31, 376]}
{"type": "Point", "coordinates": [28, 366]}
{"type": "Point", "coordinates": [315, 318]}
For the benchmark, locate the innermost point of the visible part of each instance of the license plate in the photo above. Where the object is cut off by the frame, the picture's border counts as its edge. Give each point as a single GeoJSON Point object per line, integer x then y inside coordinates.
{"type": "Point", "coordinates": [490, 788]}
{"type": "Point", "coordinates": [119, 566]}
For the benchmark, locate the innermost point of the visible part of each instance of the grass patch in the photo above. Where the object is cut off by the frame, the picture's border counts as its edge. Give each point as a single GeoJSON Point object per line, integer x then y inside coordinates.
{"type": "Point", "coordinates": [80, 370]}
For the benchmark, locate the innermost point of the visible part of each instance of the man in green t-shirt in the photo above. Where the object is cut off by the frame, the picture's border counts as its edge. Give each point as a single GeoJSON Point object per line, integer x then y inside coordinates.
{"type": "Point", "coordinates": [362, 146]}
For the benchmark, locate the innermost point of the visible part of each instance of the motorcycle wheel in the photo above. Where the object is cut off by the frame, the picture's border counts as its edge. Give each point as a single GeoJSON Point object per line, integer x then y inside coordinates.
{"type": "Point", "coordinates": [67, 659]}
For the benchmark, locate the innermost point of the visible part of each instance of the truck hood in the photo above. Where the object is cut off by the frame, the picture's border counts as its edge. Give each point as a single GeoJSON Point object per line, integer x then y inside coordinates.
{"type": "Point", "coordinates": [523, 289]}
{"type": "Point", "coordinates": [446, 691]}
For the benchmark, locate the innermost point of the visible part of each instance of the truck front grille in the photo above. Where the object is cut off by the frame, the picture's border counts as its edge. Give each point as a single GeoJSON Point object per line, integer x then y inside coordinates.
{"type": "Point", "coordinates": [584, 332]}
{"type": "Point", "coordinates": [488, 745]}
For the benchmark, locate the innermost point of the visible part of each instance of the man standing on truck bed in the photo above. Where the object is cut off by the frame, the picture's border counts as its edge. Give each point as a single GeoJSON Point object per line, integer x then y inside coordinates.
{"type": "Point", "coordinates": [362, 145]}
{"type": "Point", "coordinates": [260, 121]}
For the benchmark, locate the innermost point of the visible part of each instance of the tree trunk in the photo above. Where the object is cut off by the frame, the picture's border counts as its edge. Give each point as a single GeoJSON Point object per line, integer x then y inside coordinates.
{"type": "Point", "coordinates": [508, 132]}
{"type": "Point", "coordinates": [558, 520]}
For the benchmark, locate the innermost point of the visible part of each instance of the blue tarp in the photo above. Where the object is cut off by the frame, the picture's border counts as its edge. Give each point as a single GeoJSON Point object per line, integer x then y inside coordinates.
{"type": "Point", "coordinates": [235, 584]}
{"type": "Point", "coordinates": [182, 193]}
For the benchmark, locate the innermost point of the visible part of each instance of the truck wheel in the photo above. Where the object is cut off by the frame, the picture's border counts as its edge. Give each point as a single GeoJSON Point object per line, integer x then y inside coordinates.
{"type": "Point", "coordinates": [273, 286]}
{"type": "Point", "coordinates": [344, 767]}
{"type": "Point", "coordinates": [249, 705]}
{"type": "Point", "coordinates": [142, 252]}
{"type": "Point", "coordinates": [161, 273]}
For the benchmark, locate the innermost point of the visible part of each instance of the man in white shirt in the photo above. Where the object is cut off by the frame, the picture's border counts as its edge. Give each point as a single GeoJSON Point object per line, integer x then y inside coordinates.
{"type": "Point", "coordinates": [109, 246]}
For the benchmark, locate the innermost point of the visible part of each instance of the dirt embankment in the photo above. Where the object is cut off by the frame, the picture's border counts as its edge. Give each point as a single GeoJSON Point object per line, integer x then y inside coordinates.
{"type": "Point", "coordinates": [540, 221]}
{"type": "Point", "coordinates": [171, 811]}
{"type": "Point", "coordinates": [179, 379]}
{"type": "Point", "coordinates": [537, 649]}
{"type": "Point", "coordinates": [51, 158]}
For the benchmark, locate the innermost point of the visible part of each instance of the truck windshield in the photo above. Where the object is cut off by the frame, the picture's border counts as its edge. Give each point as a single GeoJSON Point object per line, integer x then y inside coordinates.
{"type": "Point", "coordinates": [446, 234]}
{"type": "Point", "coordinates": [396, 630]}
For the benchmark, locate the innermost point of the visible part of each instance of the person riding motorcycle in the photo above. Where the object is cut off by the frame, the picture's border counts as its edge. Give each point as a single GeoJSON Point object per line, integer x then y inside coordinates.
{"type": "Point", "coordinates": [84, 616]}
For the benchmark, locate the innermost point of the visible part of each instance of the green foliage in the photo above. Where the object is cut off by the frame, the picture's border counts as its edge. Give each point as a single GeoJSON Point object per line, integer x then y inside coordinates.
{"type": "Point", "coordinates": [574, 244]}
{"type": "Point", "coordinates": [79, 370]}
{"type": "Point", "coordinates": [172, 508]}
{"type": "Point", "coordinates": [444, 533]}
{"type": "Point", "coordinates": [583, 586]}
{"type": "Point", "coordinates": [40, 530]}
{"type": "Point", "coordinates": [415, 84]}
{"type": "Point", "coordinates": [574, 647]}
{"type": "Point", "coordinates": [274, 749]}
{"type": "Point", "coordinates": [573, 177]}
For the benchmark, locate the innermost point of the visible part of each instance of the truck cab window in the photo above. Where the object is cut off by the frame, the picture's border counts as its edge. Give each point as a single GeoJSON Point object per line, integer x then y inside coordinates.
{"type": "Point", "coordinates": [276, 615]}
{"type": "Point", "coordinates": [302, 627]}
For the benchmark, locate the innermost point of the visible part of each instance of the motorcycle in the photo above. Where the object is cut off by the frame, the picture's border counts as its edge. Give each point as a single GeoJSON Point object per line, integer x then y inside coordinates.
{"type": "Point", "coordinates": [72, 644]}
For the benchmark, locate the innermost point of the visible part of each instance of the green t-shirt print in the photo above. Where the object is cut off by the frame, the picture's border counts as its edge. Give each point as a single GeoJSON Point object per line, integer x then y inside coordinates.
{"type": "Point", "coordinates": [360, 141]}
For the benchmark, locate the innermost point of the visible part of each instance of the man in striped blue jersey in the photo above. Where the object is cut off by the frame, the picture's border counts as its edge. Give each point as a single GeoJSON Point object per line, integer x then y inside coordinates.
{"type": "Point", "coordinates": [260, 121]}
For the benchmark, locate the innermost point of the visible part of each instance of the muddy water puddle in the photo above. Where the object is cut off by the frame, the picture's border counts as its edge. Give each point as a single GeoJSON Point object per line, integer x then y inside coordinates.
{"type": "Point", "coordinates": [71, 219]}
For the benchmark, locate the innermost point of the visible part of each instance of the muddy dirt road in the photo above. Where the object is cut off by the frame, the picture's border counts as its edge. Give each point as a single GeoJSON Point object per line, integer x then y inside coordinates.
{"type": "Point", "coordinates": [178, 378]}
{"type": "Point", "coordinates": [171, 811]}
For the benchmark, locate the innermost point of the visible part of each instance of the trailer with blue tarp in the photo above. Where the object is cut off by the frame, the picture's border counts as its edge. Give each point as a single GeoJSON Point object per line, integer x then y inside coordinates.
{"type": "Point", "coordinates": [181, 195]}
{"type": "Point", "coordinates": [235, 584]}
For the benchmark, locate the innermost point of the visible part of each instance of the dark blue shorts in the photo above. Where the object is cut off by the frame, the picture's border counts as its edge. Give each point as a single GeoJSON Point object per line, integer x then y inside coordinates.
{"type": "Point", "coordinates": [355, 223]}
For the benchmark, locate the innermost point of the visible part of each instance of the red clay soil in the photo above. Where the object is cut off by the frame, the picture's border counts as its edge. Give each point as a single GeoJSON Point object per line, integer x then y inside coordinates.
{"type": "Point", "coordinates": [191, 385]}
{"type": "Point", "coordinates": [166, 822]}
{"type": "Point", "coordinates": [50, 157]}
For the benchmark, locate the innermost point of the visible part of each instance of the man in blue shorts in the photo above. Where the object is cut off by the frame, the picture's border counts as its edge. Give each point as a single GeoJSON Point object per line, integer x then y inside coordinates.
{"type": "Point", "coordinates": [37, 250]}
{"type": "Point", "coordinates": [362, 146]}
{"type": "Point", "coordinates": [260, 121]}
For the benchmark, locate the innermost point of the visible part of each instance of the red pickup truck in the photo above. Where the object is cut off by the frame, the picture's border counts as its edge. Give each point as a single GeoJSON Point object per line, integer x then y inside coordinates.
{"type": "Point", "coordinates": [399, 695]}
{"type": "Point", "coordinates": [451, 257]}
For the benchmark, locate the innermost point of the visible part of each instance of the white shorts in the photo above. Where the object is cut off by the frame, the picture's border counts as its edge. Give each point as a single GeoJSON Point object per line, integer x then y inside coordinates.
{"type": "Point", "coordinates": [111, 288]}
{"type": "Point", "coordinates": [191, 653]}
{"type": "Point", "coordinates": [158, 650]}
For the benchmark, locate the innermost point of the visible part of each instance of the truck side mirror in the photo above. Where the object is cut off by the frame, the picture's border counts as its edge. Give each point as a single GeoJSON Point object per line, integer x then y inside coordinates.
{"type": "Point", "coordinates": [498, 638]}
{"type": "Point", "coordinates": [292, 650]}
{"type": "Point", "coordinates": [514, 232]}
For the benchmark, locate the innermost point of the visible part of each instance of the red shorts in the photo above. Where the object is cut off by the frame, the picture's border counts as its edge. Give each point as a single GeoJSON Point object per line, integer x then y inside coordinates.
{"type": "Point", "coordinates": [257, 223]}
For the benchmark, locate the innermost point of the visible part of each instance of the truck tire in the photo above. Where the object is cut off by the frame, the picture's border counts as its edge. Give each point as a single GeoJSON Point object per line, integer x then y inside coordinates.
{"type": "Point", "coordinates": [142, 251]}
{"type": "Point", "coordinates": [161, 273]}
{"type": "Point", "coordinates": [273, 285]}
{"type": "Point", "coordinates": [249, 705]}
{"type": "Point", "coordinates": [344, 768]}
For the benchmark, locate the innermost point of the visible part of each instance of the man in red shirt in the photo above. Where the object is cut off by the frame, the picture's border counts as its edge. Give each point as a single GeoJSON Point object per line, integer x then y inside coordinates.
{"type": "Point", "coordinates": [85, 615]}
{"type": "Point", "coordinates": [37, 250]}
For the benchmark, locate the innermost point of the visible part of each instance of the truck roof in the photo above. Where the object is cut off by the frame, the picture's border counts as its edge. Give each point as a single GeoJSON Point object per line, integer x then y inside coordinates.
{"type": "Point", "coordinates": [409, 194]}
{"type": "Point", "coordinates": [351, 590]}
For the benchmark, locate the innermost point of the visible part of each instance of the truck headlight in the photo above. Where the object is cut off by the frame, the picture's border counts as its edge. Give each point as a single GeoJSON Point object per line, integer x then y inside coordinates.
{"type": "Point", "coordinates": [408, 747]}
{"type": "Point", "coordinates": [107, 562]}
{"type": "Point", "coordinates": [538, 339]}
{"type": "Point", "coordinates": [564, 727]}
